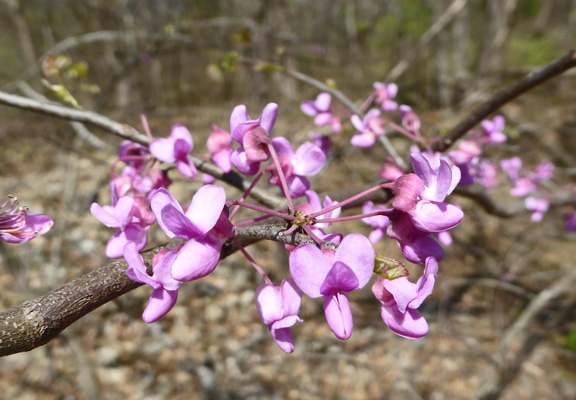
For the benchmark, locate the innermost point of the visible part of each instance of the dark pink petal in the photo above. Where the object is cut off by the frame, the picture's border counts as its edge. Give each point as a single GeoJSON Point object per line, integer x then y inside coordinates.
{"type": "Point", "coordinates": [255, 145]}
{"type": "Point", "coordinates": [308, 160]}
{"type": "Point", "coordinates": [283, 338]}
{"type": "Point", "coordinates": [133, 233]}
{"type": "Point", "coordinates": [240, 160]}
{"type": "Point", "coordinates": [163, 150]}
{"type": "Point", "coordinates": [206, 207]}
{"type": "Point", "coordinates": [407, 190]}
{"type": "Point", "coordinates": [269, 304]}
{"type": "Point", "coordinates": [297, 186]}
{"type": "Point", "coordinates": [160, 303]}
{"type": "Point", "coordinates": [338, 315]}
{"type": "Point", "coordinates": [419, 249]}
{"type": "Point", "coordinates": [181, 149]}
{"type": "Point", "coordinates": [176, 225]}
{"type": "Point", "coordinates": [196, 259]}
{"type": "Point", "coordinates": [410, 325]}
{"type": "Point", "coordinates": [340, 278]}
{"type": "Point", "coordinates": [309, 268]}
{"type": "Point", "coordinates": [357, 252]}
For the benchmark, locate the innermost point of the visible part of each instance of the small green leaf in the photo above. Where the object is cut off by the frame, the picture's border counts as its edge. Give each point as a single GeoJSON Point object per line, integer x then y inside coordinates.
{"type": "Point", "coordinates": [388, 268]}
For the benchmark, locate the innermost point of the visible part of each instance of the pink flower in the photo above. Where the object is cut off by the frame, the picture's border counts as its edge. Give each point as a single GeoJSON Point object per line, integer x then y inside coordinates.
{"type": "Point", "coordinates": [308, 160]}
{"type": "Point", "coordinates": [165, 286]}
{"type": "Point", "coordinates": [320, 109]}
{"type": "Point", "coordinates": [253, 136]}
{"type": "Point", "coordinates": [205, 225]}
{"type": "Point", "coordinates": [220, 147]}
{"type": "Point", "coordinates": [332, 273]}
{"type": "Point", "coordinates": [384, 93]}
{"type": "Point", "coordinates": [400, 300]}
{"type": "Point", "coordinates": [370, 128]}
{"type": "Point", "coordinates": [175, 149]}
{"type": "Point", "coordinates": [17, 226]}
{"type": "Point", "coordinates": [492, 130]}
{"type": "Point", "coordinates": [538, 207]}
{"type": "Point", "coordinates": [278, 308]}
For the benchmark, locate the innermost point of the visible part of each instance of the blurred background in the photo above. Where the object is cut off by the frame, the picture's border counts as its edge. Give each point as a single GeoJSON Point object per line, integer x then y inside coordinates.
{"type": "Point", "coordinates": [492, 332]}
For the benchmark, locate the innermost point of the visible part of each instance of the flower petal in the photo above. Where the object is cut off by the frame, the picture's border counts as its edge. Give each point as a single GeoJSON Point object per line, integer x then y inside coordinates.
{"type": "Point", "coordinates": [309, 268]}
{"type": "Point", "coordinates": [338, 315]}
{"type": "Point", "coordinates": [410, 325]}
{"type": "Point", "coordinates": [206, 207]}
{"type": "Point", "coordinates": [161, 301]}
{"type": "Point", "coordinates": [269, 304]}
{"type": "Point", "coordinates": [357, 252]}
{"type": "Point", "coordinates": [196, 259]}
{"type": "Point", "coordinates": [308, 160]}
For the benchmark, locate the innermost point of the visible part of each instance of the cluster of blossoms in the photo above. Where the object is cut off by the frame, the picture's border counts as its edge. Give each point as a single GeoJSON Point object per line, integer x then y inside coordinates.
{"type": "Point", "coordinates": [330, 268]}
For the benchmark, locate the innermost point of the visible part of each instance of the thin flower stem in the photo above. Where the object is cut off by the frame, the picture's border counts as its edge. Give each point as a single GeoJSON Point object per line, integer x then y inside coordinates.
{"type": "Point", "coordinates": [308, 230]}
{"type": "Point", "coordinates": [246, 194]}
{"type": "Point", "coordinates": [349, 200]}
{"type": "Point", "coordinates": [251, 260]}
{"type": "Point", "coordinates": [351, 217]}
{"type": "Point", "coordinates": [281, 176]}
{"type": "Point", "coordinates": [417, 138]}
{"type": "Point", "coordinates": [260, 209]}
{"type": "Point", "coordinates": [252, 220]}
{"type": "Point", "coordinates": [146, 126]}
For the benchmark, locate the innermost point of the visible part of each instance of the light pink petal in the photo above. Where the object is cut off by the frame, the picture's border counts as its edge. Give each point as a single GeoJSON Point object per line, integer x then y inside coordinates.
{"type": "Point", "coordinates": [363, 140]}
{"type": "Point", "coordinates": [357, 252]}
{"type": "Point", "coordinates": [291, 297]}
{"type": "Point", "coordinates": [206, 207]}
{"type": "Point", "coordinates": [254, 144]}
{"type": "Point", "coordinates": [283, 147]}
{"type": "Point", "coordinates": [269, 304]}
{"type": "Point", "coordinates": [309, 268]}
{"type": "Point", "coordinates": [338, 315]}
{"type": "Point", "coordinates": [431, 216]}
{"type": "Point", "coordinates": [297, 186]}
{"type": "Point", "coordinates": [286, 322]}
{"type": "Point", "coordinates": [196, 259]}
{"type": "Point", "coordinates": [357, 122]}
{"type": "Point", "coordinates": [136, 268]}
{"type": "Point", "coordinates": [314, 200]}
{"type": "Point", "coordinates": [418, 250]}
{"type": "Point", "coordinates": [222, 159]}
{"type": "Point", "coordinates": [180, 132]}
{"type": "Point", "coordinates": [122, 211]}
{"type": "Point", "coordinates": [425, 284]}
{"type": "Point", "coordinates": [37, 224]}
{"type": "Point", "coordinates": [410, 325]}
{"type": "Point", "coordinates": [133, 233]}
{"type": "Point", "coordinates": [160, 303]}
{"type": "Point", "coordinates": [322, 119]}
{"type": "Point", "coordinates": [163, 271]}
{"type": "Point", "coordinates": [239, 116]}
{"type": "Point", "coordinates": [323, 101]}
{"type": "Point", "coordinates": [104, 216]}
{"type": "Point", "coordinates": [163, 150]}
{"type": "Point", "coordinates": [268, 116]}
{"type": "Point", "coordinates": [309, 108]}
{"type": "Point", "coordinates": [402, 290]}
{"type": "Point", "coordinates": [308, 160]}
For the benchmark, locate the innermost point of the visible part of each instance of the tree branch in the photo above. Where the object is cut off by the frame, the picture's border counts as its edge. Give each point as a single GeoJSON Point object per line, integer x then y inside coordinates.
{"type": "Point", "coordinates": [38, 321]}
{"type": "Point", "coordinates": [503, 96]}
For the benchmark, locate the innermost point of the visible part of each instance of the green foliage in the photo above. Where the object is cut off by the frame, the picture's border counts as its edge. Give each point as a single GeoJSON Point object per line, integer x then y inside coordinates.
{"type": "Point", "coordinates": [570, 339]}
{"type": "Point", "coordinates": [531, 51]}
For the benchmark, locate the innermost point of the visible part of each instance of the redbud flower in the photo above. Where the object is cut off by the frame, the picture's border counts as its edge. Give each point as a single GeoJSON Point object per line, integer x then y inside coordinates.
{"type": "Point", "coordinates": [331, 274]}
{"type": "Point", "coordinates": [370, 128]}
{"type": "Point", "coordinates": [175, 148]}
{"type": "Point", "coordinates": [538, 207]}
{"type": "Point", "coordinates": [379, 223]}
{"type": "Point", "coordinates": [384, 95]}
{"type": "Point", "coordinates": [17, 226]}
{"type": "Point", "coordinates": [409, 119]}
{"type": "Point", "coordinates": [220, 147]}
{"type": "Point", "coordinates": [165, 286]}
{"type": "Point", "coordinates": [278, 308]}
{"type": "Point", "coordinates": [512, 167]}
{"type": "Point", "coordinates": [253, 136]}
{"type": "Point", "coordinates": [308, 160]}
{"type": "Point", "coordinates": [492, 130]}
{"type": "Point", "coordinates": [320, 109]}
{"type": "Point", "coordinates": [205, 225]}
{"type": "Point", "coordinates": [400, 300]}
{"type": "Point", "coordinates": [390, 170]}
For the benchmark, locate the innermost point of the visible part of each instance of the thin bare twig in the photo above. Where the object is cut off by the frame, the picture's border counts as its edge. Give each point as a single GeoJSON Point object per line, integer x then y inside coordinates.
{"type": "Point", "coordinates": [505, 95]}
